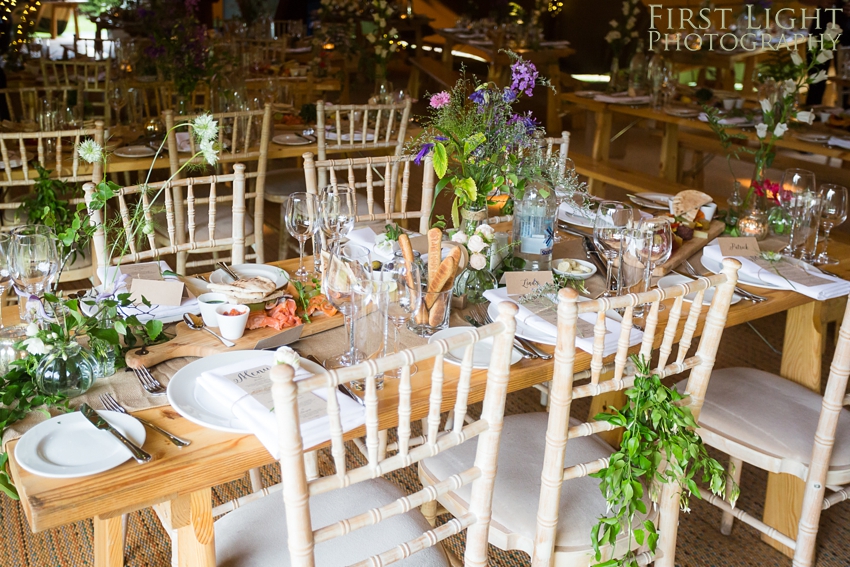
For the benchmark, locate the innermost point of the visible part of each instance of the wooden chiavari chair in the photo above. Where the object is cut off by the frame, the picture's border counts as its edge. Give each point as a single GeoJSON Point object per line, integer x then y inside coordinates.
{"type": "Point", "coordinates": [141, 206]}
{"type": "Point", "coordinates": [153, 98]}
{"type": "Point", "coordinates": [779, 426]}
{"type": "Point", "coordinates": [264, 51]}
{"type": "Point", "coordinates": [27, 103]}
{"type": "Point", "coordinates": [551, 519]}
{"type": "Point", "coordinates": [242, 137]}
{"type": "Point", "coordinates": [321, 518]}
{"type": "Point", "coordinates": [94, 76]}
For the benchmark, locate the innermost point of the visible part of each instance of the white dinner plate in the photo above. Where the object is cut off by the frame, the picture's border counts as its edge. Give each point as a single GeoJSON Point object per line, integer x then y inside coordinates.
{"type": "Point", "coordinates": [291, 139]}
{"type": "Point", "coordinates": [481, 353]}
{"type": "Point", "coordinates": [358, 136]}
{"type": "Point", "coordinates": [535, 335]}
{"type": "Point", "coordinates": [14, 160]}
{"type": "Point", "coordinates": [195, 404]}
{"type": "Point", "coordinates": [69, 446]}
{"type": "Point", "coordinates": [676, 279]}
{"type": "Point", "coordinates": [682, 112]}
{"type": "Point", "coordinates": [135, 152]}
{"type": "Point", "coordinates": [747, 279]}
{"type": "Point", "coordinates": [660, 201]}
{"type": "Point", "coordinates": [576, 216]}
{"type": "Point", "coordinates": [814, 138]}
{"type": "Point", "coordinates": [278, 276]}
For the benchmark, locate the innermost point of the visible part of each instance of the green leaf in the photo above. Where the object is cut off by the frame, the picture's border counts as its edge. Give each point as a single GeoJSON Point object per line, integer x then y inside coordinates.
{"type": "Point", "coordinates": [120, 327]}
{"type": "Point", "coordinates": [441, 160]}
{"type": "Point", "coordinates": [471, 143]}
{"type": "Point", "coordinates": [7, 487]}
{"type": "Point", "coordinates": [153, 328]}
{"type": "Point", "coordinates": [455, 213]}
{"type": "Point", "coordinates": [639, 535]}
{"type": "Point", "coordinates": [108, 335]}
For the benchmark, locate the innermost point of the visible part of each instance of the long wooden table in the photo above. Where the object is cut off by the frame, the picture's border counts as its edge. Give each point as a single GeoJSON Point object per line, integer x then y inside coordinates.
{"type": "Point", "coordinates": [180, 480]}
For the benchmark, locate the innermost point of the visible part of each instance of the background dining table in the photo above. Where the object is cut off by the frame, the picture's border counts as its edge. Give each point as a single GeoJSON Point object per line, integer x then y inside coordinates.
{"type": "Point", "coordinates": [178, 481]}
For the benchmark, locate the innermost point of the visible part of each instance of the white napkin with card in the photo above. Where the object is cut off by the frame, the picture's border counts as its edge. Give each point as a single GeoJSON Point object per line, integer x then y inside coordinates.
{"type": "Point", "coordinates": [528, 317]}
{"type": "Point", "coordinates": [166, 313]}
{"type": "Point", "coordinates": [377, 244]}
{"type": "Point", "coordinates": [810, 281]}
{"type": "Point", "coordinates": [251, 403]}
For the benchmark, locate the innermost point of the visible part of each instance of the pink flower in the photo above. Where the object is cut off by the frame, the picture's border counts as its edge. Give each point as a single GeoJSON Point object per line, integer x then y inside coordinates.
{"type": "Point", "coordinates": [440, 99]}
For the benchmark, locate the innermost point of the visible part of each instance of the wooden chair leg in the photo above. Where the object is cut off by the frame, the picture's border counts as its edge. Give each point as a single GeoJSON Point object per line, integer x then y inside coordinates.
{"type": "Point", "coordinates": [735, 466]}
{"type": "Point", "coordinates": [429, 510]}
{"type": "Point", "coordinates": [311, 462]}
{"type": "Point", "coordinates": [256, 478]}
{"type": "Point", "coordinates": [668, 525]}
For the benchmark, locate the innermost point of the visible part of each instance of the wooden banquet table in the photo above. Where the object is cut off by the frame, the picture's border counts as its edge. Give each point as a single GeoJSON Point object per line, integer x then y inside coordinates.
{"type": "Point", "coordinates": [179, 480]}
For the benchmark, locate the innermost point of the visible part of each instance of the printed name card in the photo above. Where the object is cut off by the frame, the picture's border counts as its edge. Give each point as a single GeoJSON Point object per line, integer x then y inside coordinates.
{"type": "Point", "coordinates": [146, 279]}
{"type": "Point", "coordinates": [745, 246]}
{"type": "Point", "coordinates": [419, 243]}
{"type": "Point", "coordinates": [520, 283]}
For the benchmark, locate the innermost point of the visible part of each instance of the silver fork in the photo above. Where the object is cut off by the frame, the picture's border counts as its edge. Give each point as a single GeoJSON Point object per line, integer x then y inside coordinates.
{"type": "Point", "coordinates": [526, 343]}
{"type": "Point", "coordinates": [112, 404]}
{"type": "Point", "coordinates": [149, 383]}
{"type": "Point", "coordinates": [691, 271]}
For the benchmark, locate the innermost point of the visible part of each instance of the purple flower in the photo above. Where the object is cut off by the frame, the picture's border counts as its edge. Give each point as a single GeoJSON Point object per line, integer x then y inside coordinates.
{"type": "Point", "coordinates": [509, 95]}
{"type": "Point", "coordinates": [527, 120]}
{"type": "Point", "coordinates": [441, 138]}
{"type": "Point", "coordinates": [523, 76]}
{"type": "Point", "coordinates": [423, 151]}
{"type": "Point", "coordinates": [440, 99]}
{"type": "Point", "coordinates": [479, 96]}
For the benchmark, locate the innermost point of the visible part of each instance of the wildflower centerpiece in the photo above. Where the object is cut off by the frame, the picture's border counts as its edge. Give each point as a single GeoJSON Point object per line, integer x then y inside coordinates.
{"type": "Point", "coordinates": [481, 146]}
{"type": "Point", "coordinates": [476, 278]}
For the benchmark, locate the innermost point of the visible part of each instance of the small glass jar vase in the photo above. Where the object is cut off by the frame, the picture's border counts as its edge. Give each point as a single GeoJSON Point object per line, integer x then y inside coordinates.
{"type": "Point", "coordinates": [472, 216]}
{"type": "Point", "coordinates": [753, 221]}
{"type": "Point", "coordinates": [67, 369]}
{"type": "Point", "coordinates": [473, 283]}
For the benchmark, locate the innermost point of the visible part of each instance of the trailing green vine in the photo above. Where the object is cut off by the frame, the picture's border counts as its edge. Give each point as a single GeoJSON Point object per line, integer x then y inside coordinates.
{"type": "Point", "coordinates": [660, 445]}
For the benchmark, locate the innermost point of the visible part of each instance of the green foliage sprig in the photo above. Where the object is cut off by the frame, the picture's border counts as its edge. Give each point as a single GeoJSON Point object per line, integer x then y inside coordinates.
{"type": "Point", "coordinates": [659, 445]}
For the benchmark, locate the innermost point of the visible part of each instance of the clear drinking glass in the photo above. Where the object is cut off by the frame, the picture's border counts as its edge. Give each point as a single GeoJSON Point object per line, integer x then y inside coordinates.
{"type": "Point", "coordinates": [34, 262]}
{"type": "Point", "coordinates": [609, 233]}
{"type": "Point", "coordinates": [794, 182]}
{"type": "Point", "coordinates": [348, 284]}
{"type": "Point", "coordinates": [805, 216]}
{"type": "Point", "coordinates": [833, 213]}
{"type": "Point", "coordinates": [301, 214]}
{"type": "Point", "coordinates": [338, 210]}
{"type": "Point", "coordinates": [652, 244]}
{"type": "Point", "coordinates": [5, 270]}
{"type": "Point", "coordinates": [117, 101]}
{"type": "Point", "coordinates": [405, 297]}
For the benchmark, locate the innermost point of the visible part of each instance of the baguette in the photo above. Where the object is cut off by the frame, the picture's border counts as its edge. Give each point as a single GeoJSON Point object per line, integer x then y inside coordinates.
{"type": "Point", "coordinates": [438, 312]}
{"type": "Point", "coordinates": [422, 315]}
{"type": "Point", "coordinates": [455, 253]}
{"type": "Point", "coordinates": [444, 277]}
{"type": "Point", "coordinates": [435, 237]}
{"type": "Point", "coordinates": [407, 252]}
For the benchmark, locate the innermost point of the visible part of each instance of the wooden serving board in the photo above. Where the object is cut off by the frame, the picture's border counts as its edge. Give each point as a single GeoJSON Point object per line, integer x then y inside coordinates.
{"type": "Point", "coordinates": [200, 343]}
{"type": "Point", "coordinates": [690, 248]}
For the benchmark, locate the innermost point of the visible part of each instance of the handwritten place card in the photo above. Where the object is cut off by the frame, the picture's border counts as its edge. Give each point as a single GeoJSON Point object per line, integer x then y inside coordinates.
{"type": "Point", "coordinates": [255, 381]}
{"type": "Point", "coordinates": [745, 246]}
{"type": "Point", "coordinates": [157, 292]}
{"type": "Point", "coordinates": [520, 283]}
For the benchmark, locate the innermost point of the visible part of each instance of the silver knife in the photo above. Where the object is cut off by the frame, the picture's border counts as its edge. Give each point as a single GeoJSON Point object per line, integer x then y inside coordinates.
{"type": "Point", "coordinates": [346, 391]}
{"type": "Point", "coordinates": [594, 256]}
{"type": "Point", "coordinates": [283, 338]}
{"type": "Point", "coordinates": [95, 419]}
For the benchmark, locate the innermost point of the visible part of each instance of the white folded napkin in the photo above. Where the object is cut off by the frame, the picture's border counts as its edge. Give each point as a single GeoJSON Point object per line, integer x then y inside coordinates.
{"type": "Point", "coordinates": [703, 117]}
{"type": "Point", "coordinates": [839, 142]}
{"type": "Point", "coordinates": [824, 286]}
{"type": "Point", "coordinates": [623, 99]}
{"type": "Point", "coordinates": [166, 313]}
{"type": "Point", "coordinates": [375, 243]}
{"type": "Point", "coordinates": [183, 142]}
{"type": "Point", "coordinates": [261, 420]}
{"type": "Point", "coordinates": [527, 317]}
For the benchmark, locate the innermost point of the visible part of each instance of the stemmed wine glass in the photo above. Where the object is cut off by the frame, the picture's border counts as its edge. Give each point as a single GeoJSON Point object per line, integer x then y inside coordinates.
{"type": "Point", "coordinates": [652, 244]}
{"type": "Point", "coordinates": [569, 172]}
{"type": "Point", "coordinates": [301, 214]}
{"type": "Point", "coordinates": [34, 262]}
{"type": "Point", "coordinates": [348, 284]}
{"type": "Point", "coordinates": [795, 182]}
{"type": "Point", "coordinates": [833, 213]}
{"type": "Point", "coordinates": [338, 211]}
{"type": "Point", "coordinates": [117, 100]}
{"type": "Point", "coordinates": [609, 233]}
{"type": "Point", "coordinates": [405, 298]}
{"type": "Point", "coordinates": [5, 269]}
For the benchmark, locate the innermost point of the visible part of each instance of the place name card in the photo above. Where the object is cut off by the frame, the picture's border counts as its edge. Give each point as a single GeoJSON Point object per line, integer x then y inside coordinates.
{"type": "Point", "coordinates": [792, 273]}
{"type": "Point", "coordinates": [255, 381]}
{"type": "Point", "coordinates": [744, 246]}
{"type": "Point", "coordinates": [520, 283]}
{"type": "Point", "coordinates": [157, 292]}
{"type": "Point", "coordinates": [547, 310]}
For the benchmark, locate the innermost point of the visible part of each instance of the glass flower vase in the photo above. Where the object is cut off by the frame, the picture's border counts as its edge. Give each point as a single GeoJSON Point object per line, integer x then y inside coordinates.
{"type": "Point", "coordinates": [67, 369]}
{"type": "Point", "coordinates": [473, 283]}
{"type": "Point", "coordinates": [754, 219]}
{"type": "Point", "coordinates": [472, 216]}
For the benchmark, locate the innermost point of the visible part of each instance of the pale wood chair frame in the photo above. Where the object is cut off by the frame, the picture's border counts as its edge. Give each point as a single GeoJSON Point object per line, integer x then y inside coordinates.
{"type": "Point", "coordinates": [156, 97]}
{"type": "Point", "coordinates": [29, 100]}
{"type": "Point", "coordinates": [236, 242]}
{"type": "Point", "coordinates": [817, 475]}
{"type": "Point", "coordinates": [85, 73]}
{"type": "Point", "coordinates": [268, 49]}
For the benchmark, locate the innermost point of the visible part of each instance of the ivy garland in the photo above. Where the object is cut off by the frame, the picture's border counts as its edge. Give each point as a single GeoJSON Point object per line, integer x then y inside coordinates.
{"type": "Point", "coordinates": [657, 429]}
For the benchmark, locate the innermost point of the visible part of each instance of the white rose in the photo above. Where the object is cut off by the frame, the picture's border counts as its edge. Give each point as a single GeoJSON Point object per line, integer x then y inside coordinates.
{"type": "Point", "coordinates": [486, 231]}
{"type": "Point", "coordinates": [796, 59]}
{"type": "Point", "coordinates": [285, 355]}
{"type": "Point", "coordinates": [477, 261]}
{"type": "Point", "coordinates": [806, 116]}
{"type": "Point", "coordinates": [820, 77]}
{"type": "Point", "coordinates": [824, 56]}
{"type": "Point", "coordinates": [780, 130]}
{"type": "Point", "coordinates": [766, 105]}
{"type": "Point", "coordinates": [476, 243]}
{"type": "Point", "coordinates": [761, 130]}
{"type": "Point", "coordinates": [460, 237]}
{"type": "Point", "coordinates": [833, 30]}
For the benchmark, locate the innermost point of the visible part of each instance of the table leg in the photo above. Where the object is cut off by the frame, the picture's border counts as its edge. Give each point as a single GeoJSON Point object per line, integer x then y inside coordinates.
{"type": "Point", "coordinates": [670, 151]}
{"type": "Point", "coordinates": [601, 144]}
{"type": "Point", "coordinates": [108, 542]}
{"type": "Point", "coordinates": [191, 516]}
{"type": "Point", "coordinates": [448, 58]}
{"type": "Point", "coordinates": [801, 363]}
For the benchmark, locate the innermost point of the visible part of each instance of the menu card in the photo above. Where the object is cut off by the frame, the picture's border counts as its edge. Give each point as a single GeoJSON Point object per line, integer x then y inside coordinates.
{"type": "Point", "coordinates": [791, 272]}
{"type": "Point", "coordinates": [256, 382]}
{"type": "Point", "coordinates": [547, 309]}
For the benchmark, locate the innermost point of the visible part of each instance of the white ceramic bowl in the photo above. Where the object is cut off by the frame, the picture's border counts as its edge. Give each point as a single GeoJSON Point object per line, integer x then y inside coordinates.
{"type": "Point", "coordinates": [209, 302]}
{"type": "Point", "coordinates": [709, 210]}
{"type": "Point", "coordinates": [232, 327]}
{"type": "Point", "coordinates": [574, 276]}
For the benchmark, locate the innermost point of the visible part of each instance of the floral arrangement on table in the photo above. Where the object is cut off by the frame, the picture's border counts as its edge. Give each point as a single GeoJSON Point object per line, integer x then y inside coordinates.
{"type": "Point", "coordinates": [481, 146]}
{"type": "Point", "coordinates": [381, 36]}
{"type": "Point", "coordinates": [622, 33]}
{"type": "Point", "coordinates": [778, 102]}
{"type": "Point", "coordinates": [476, 278]}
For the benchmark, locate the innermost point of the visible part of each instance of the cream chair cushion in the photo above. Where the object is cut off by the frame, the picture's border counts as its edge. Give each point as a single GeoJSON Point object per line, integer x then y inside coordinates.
{"type": "Point", "coordinates": [280, 184]}
{"type": "Point", "coordinates": [223, 222]}
{"type": "Point", "coordinates": [770, 414]}
{"type": "Point", "coordinates": [517, 491]}
{"type": "Point", "coordinates": [255, 534]}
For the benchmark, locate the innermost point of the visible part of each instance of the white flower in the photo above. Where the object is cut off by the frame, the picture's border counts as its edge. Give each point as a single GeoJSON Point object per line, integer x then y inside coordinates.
{"type": "Point", "coordinates": [35, 345]}
{"type": "Point", "coordinates": [832, 31]}
{"type": "Point", "coordinates": [385, 247]}
{"type": "Point", "coordinates": [635, 33]}
{"type": "Point", "coordinates": [32, 329]}
{"type": "Point", "coordinates": [818, 78]}
{"type": "Point", "coordinates": [370, 38]}
{"type": "Point", "coordinates": [806, 116]}
{"type": "Point", "coordinates": [614, 23]}
{"type": "Point", "coordinates": [207, 148]}
{"type": "Point", "coordinates": [631, 23]}
{"type": "Point", "coordinates": [780, 130]}
{"type": "Point", "coordinates": [90, 151]}
{"type": "Point", "coordinates": [824, 56]}
{"type": "Point", "coordinates": [761, 130]}
{"type": "Point", "coordinates": [285, 355]}
{"type": "Point", "coordinates": [612, 36]}
{"type": "Point", "coordinates": [393, 47]}
{"type": "Point", "coordinates": [796, 59]}
{"type": "Point", "coordinates": [790, 87]}
{"type": "Point", "coordinates": [626, 8]}
{"type": "Point", "coordinates": [382, 23]}
{"type": "Point", "coordinates": [766, 105]}
{"type": "Point", "coordinates": [393, 32]}
{"type": "Point", "coordinates": [477, 261]}
{"type": "Point", "coordinates": [379, 51]}
{"type": "Point", "coordinates": [205, 128]}
{"type": "Point", "coordinates": [147, 229]}
{"type": "Point", "coordinates": [460, 237]}
{"type": "Point", "coordinates": [476, 243]}
{"type": "Point", "coordinates": [486, 231]}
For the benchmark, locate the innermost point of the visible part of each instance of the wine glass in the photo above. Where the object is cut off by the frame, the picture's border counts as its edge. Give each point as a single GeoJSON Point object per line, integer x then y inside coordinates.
{"type": "Point", "coordinates": [348, 284]}
{"type": "Point", "coordinates": [833, 213]}
{"type": "Point", "coordinates": [34, 262]}
{"type": "Point", "coordinates": [405, 298]}
{"type": "Point", "coordinates": [609, 234]}
{"type": "Point", "coordinates": [338, 211]}
{"type": "Point", "coordinates": [795, 182]}
{"type": "Point", "coordinates": [568, 169]}
{"type": "Point", "coordinates": [301, 214]}
{"type": "Point", "coordinates": [5, 269]}
{"type": "Point", "coordinates": [652, 244]}
{"type": "Point", "coordinates": [117, 101]}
